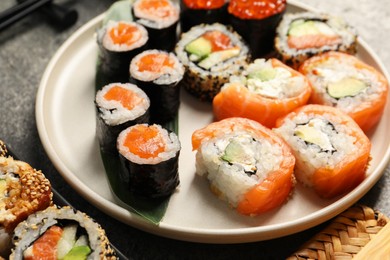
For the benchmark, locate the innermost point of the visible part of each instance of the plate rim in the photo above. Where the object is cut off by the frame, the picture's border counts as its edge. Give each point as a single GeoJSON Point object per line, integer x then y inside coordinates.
{"type": "Point", "coordinates": [195, 234]}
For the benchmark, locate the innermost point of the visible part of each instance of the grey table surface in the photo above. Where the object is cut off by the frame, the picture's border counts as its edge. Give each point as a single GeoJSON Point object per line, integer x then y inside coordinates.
{"type": "Point", "coordinates": [27, 47]}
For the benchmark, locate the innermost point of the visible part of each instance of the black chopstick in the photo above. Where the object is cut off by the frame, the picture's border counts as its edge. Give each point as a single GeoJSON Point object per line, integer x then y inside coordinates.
{"type": "Point", "coordinates": [19, 11]}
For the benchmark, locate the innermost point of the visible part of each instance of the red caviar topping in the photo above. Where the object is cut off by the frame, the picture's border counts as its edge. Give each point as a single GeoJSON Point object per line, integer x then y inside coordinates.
{"type": "Point", "coordinates": [204, 4]}
{"type": "Point", "coordinates": [256, 9]}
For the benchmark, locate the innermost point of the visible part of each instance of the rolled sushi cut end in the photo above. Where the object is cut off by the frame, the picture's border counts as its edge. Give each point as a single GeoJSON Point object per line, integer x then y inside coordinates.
{"type": "Point", "coordinates": [302, 35]}
{"type": "Point", "coordinates": [211, 54]}
{"type": "Point", "coordinates": [149, 157]}
{"type": "Point", "coordinates": [60, 233]}
{"type": "Point", "coordinates": [156, 13]}
{"type": "Point", "coordinates": [345, 82]}
{"type": "Point", "coordinates": [265, 91]}
{"type": "Point", "coordinates": [23, 191]}
{"type": "Point", "coordinates": [332, 152]}
{"type": "Point", "coordinates": [246, 164]}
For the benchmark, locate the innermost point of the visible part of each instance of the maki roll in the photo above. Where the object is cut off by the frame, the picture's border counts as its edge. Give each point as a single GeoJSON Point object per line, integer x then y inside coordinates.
{"type": "Point", "coordinates": [118, 106]}
{"type": "Point", "coordinates": [149, 157]}
{"type": "Point", "coordinates": [118, 43]}
{"type": "Point", "coordinates": [160, 18]}
{"type": "Point", "coordinates": [266, 90]}
{"type": "Point", "coordinates": [159, 73]}
{"type": "Point", "coordinates": [302, 35]}
{"type": "Point", "coordinates": [345, 82]}
{"type": "Point", "coordinates": [332, 152]}
{"type": "Point", "coordinates": [60, 233]}
{"type": "Point", "coordinates": [256, 22]}
{"type": "Point", "coordinates": [23, 191]}
{"type": "Point", "coordinates": [246, 164]}
{"type": "Point", "coordinates": [195, 12]}
{"type": "Point", "coordinates": [211, 54]}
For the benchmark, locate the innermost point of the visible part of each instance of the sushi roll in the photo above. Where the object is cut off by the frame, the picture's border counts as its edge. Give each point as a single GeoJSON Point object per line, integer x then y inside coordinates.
{"type": "Point", "coordinates": [246, 164]}
{"type": "Point", "coordinates": [332, 152]}
{"type": "Point", "coordinates": [210, 54]}
{"type": "Point", "coordinates": [265, 91]}
{"type": "Point", "coordinates": [149, 156]}
{"type": "Point", "coordinates": [119, 42]}
{"type": "Point", "coordinates": [60, 233]}
{"type": "Point", "coordinates": [159, 73]}
{"type": "Point", "coordinates": [160, 18]}
{"type": "Point", "coordinates": [23, 191]}
{"type": "Point", "coordinates": [118, 106]}
{"type": "Point", "coordinates": [256, 22]}
{"type": "Point", "coordinates": [195, 12]}
{"type": "Point", "coordinates": [302, 35]}
{"type": "Point", "coordinates": [345, 82]}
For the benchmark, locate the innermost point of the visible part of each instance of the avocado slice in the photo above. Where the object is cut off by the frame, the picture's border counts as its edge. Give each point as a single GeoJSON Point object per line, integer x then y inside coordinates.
{"type": "Point", "coordinates": [78, 253]}
{"type": "Point", "coordinates": [235, 153]}
{"type": "Point", "coordinates": [347, 87]}
{"type": "Point", "coordinates": [198, 48]}
{"type": "Point", "coordinates": [303, 27]}
{"type": "Point", "coordinates": [312, 135]}
{"type": "Point", "coordinates": [218, 56]}
{"type": "Point", "coordinates": [265, 74]}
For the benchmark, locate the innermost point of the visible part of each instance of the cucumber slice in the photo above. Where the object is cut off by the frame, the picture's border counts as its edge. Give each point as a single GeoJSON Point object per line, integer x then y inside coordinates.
{"type": "Point", "coordinates": [217, 57]}
{"type": "Point", "coordinates": [347, 87]}
{"type": "Point", "coordinates": [198, 48]}
{"type": "Point", "coordinates": [78, 253]}
{"type": "Point", "coordinates": [67, 241]}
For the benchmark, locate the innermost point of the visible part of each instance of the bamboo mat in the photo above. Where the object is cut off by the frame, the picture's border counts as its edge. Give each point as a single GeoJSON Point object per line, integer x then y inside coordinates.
{"type": "Point", "coordinates": [345, 236]}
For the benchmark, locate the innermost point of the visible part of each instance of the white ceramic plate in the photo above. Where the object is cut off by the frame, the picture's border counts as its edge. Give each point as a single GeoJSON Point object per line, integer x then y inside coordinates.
{"type": "Point", "coordinates": [65, 115]}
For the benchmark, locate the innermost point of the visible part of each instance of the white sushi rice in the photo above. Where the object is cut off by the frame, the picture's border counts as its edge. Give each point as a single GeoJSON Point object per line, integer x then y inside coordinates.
{"type": "Point", "coordinates": [311, 157]}
{"type": "Point", "coordinates": [171, 142]}
{"type": "Point", "coordinates": [113, 112]}
{"type": "Point", "coordinates": [141, 35]}
{"type": "Point", "coordinates": [157, 18]}
{"type": "Point", "coordinates": [167, 75]}
{"type": "Point", "coordinates": [283, 85]}
{"type": "Point", "coordinates": [333, 70]}
{"type": "Point", "coordinates": [229, 178]}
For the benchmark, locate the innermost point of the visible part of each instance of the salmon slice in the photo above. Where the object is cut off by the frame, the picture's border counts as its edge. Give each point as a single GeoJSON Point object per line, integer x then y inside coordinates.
{"type": "Point", "coordinates": [124, 34]}
{"type": "Point", "coordinates": [312, 41]}
{"type": "Point", "coordinates": [155, 62]}
{"type": "Point", "coordinates": [145, 141]}
{"type": "Point", "coordinates": [45, 247]}
{"type": "Point", "coordinates": [219, 41]}
{"type": "Point", "coordinates": [159, 8]}
{"type": "Point", "coordinates": [126, 97]}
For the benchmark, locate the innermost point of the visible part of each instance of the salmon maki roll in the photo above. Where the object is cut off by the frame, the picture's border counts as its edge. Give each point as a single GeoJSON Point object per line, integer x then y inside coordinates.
{"type": "Point", "coordinates": [246, 164]}
{"type": "Point", "coordinates": [332, 152]}
{"type": "Point", "coordinates": [345, 82]}
{"type": "Point", "coordinates": [149, 156]}
{"type": "Point", "coordinates": [267, 90]}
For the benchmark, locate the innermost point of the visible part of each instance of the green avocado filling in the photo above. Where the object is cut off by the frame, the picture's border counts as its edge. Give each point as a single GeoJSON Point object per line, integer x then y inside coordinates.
{"type": "Point", "coordinates": [236, 153]}
{"type": "Point", "coordinates": [347, 87]}
{"type": "Point", "coordinates": [303, 27]}
{"type": "Point", "coordinates": [78, 253]}
{"type": "Point", "coordinates": [71, 246]}
{"type": "Point", "coordinates": [198, 48]}
{"type": "Point", "coordinates": [311, 133]}
{"type": "Point", "coordinates": [265, 74]}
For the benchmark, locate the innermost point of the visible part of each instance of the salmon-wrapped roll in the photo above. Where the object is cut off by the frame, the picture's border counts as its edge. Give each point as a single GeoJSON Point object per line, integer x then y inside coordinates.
{"type": "Point", "coordinates": [266, 90]}
{"type": "Point", "coordinates": [331, 150]}
{"type": "Point", "coordinates": [23, 191]}
{"type": "Point", "coordinates": [343, 81]}
{"type": "Point", "coordinates": [246, 164]}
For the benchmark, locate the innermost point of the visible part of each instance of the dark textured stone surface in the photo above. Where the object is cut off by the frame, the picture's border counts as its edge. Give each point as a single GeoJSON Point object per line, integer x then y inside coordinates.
{"type": "Point", "coordinates": [25, 50]}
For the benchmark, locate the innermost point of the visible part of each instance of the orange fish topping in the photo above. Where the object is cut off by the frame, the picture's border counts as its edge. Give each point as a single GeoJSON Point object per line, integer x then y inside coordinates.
{"type": "Point", "coordinates": [160, 8]}
{"type": "Point", "coordinates": [45, 247]}
{"type": "Point", "coordinates": [256, 9]}
{"type": "Point", "coordinates": [145, 141]}
{"type": "Point", "coordinates": [312, 41]}
{"type": "Point", "coordinates": [154, 62]}
{"type": "Point", "coordinates": [204, 4]}
{"type": "Point", "coordinates": [124, 33]}
{"type": "Point", "coordinates": [219, 40]}
{"type": "Point", "coordinates": [126, 97]}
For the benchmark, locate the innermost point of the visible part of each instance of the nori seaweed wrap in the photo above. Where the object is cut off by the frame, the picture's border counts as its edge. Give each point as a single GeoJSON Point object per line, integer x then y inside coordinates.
{"type": "Point", "coordinates": [197, 12]}
{"type": "Point", "coordinates": [159, 73]}
{"type": "Point", "coordinates": [118, 106]}
{"type": "Point", "coordinates": [149, 156]}
{"type": "Point", "coordinates": [160, 18]}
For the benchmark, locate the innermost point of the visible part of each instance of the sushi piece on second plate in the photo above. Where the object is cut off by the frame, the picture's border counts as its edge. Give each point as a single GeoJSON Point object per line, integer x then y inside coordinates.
{"type": "Point", "coordinates": [211, 54]}
{"type": "Point", "coordinates": [149, 156]}
{"type": "Point", "coordinates": [118, 106]}
{"type": "Point", "coordinates": [160, 18]}
{"type": "Point", "coordinates": [265, 91]}
{"type": "Point", "coordinates": [23, 191]}
{"type": "Point", "coordinates": [60, 233]}
{"type": "Point", "coordinates": [159, 74]}
{"type": "Point", "coordinates": [347, 83]}
{"type": "Point", "coordinates": [119, 42]}
{"type": "Point", "coordinates": [246, 164]}
{"type": "Point", "coordinates": [305, 34]}
{"type": "Point", "coordinates": [332, 152]}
